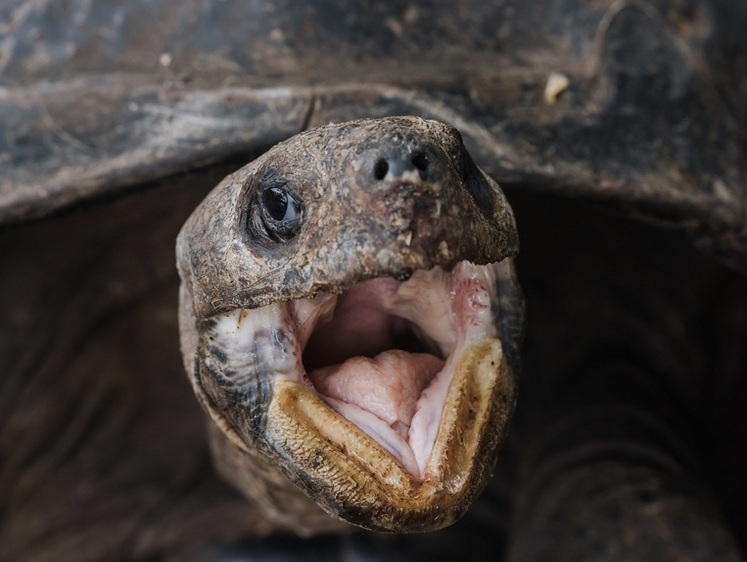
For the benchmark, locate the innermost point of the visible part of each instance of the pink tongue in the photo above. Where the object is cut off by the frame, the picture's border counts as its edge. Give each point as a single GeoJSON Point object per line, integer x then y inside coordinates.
{"type": "Point", "coordinates": [388, 386]}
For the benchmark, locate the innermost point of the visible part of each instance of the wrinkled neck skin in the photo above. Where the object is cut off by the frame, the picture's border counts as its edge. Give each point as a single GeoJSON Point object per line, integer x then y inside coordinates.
{"type": "Point", "coordinates": [350, 319]}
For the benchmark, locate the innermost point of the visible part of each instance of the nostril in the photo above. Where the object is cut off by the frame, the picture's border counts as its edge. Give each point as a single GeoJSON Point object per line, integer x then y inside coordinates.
{"type": "Point", "coordinates": [381, 168]}
{"type": "Point", "coordinates": [401, 162]}
{"type": "Point", "coordinates": [420, 161]}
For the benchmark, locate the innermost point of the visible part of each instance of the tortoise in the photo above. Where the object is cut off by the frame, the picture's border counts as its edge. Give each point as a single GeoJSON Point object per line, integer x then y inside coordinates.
{"type": "Point", "coordinates": [616, 130]}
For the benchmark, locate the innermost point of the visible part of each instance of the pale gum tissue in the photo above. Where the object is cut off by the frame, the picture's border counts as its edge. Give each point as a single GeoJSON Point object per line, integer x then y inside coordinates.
{"type": "Point", "coordinates": [300, 421]}
{"type": "Point", "coordinates": [237, 328]}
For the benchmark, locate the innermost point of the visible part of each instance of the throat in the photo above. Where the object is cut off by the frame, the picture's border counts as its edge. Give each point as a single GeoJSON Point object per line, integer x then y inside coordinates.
{"type": "Point", "coordinates": [381, 396]}
{"type": "Point", "coordinates": [375, 349]}
{"type": "Point", "coordinates": [365, 321]}
{"type": "Point", "coordinates": [388, 385]}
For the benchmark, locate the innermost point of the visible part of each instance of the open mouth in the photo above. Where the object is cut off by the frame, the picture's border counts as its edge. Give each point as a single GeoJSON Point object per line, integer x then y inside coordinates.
{"type": "Point", "coordinates": [383, 354]}
{"type": "Point", "coordinates": [350, 320]}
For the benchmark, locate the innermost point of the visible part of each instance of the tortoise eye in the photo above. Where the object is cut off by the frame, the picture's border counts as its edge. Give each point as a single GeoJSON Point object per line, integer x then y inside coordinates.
{"type": "Point", "coordinates": [280, 213]}
{"type": "Point", "coordinates": [280, 205]}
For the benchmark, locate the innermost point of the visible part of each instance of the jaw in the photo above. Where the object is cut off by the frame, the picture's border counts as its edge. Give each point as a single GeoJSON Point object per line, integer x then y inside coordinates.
{"type": "Point", "coordinates": [356, 478]}
{"type": "Point", "coordinates": [387, 402]}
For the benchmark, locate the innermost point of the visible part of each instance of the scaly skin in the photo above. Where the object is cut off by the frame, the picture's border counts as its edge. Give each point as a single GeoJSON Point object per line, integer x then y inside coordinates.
{"type": "Point", "coordinates": [428, 206]}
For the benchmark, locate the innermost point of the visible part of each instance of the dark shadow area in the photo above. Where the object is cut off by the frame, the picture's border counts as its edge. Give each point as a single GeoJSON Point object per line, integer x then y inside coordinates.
{"type": "Point", "coordinates": [633, 374]}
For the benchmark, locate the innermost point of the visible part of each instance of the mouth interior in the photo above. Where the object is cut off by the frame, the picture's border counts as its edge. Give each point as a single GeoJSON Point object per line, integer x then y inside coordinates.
{"type": "Point", "coordinates": [383, 353]}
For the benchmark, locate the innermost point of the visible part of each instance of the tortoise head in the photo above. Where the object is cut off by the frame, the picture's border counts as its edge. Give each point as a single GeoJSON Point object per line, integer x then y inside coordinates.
{"type": "Point", "coordinates": [349, 319]}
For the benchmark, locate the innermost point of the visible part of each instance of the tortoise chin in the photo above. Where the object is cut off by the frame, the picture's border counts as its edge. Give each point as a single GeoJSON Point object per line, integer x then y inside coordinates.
{"type": "Point", "coordinates": [354, 332]}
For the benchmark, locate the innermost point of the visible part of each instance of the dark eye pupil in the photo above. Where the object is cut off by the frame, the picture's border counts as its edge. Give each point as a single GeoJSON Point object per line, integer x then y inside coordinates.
{"type": "Point", "coordinates": [276, 203]}
{"type": "Point", "coordinates": [276, 214]}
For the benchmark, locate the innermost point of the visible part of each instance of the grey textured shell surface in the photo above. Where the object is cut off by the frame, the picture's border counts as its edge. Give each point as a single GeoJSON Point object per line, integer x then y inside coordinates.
{"type": "Point", "coordinates": [649, 115]}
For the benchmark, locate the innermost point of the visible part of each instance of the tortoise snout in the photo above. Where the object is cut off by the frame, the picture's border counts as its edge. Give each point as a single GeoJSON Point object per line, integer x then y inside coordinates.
{"type": "Point", "coordinates": [414, 163]}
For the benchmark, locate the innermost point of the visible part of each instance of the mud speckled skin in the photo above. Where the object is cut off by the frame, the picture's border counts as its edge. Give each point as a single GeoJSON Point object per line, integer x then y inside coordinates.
{"type": "Point", "coordinates": [355, 227]}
